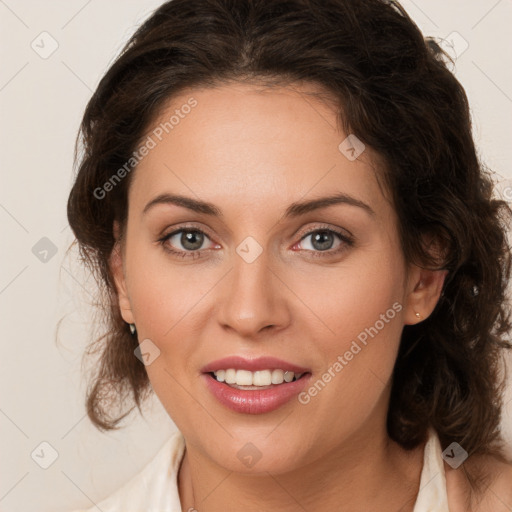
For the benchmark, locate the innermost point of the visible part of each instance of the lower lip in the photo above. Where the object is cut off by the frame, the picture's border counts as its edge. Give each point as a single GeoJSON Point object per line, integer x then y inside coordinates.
{"type": "Point", "coordinates": [255, 401]}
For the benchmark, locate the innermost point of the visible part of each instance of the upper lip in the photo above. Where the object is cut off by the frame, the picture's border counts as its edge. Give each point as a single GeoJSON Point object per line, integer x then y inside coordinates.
{"type": "Point", "coordinates": [253, 365]}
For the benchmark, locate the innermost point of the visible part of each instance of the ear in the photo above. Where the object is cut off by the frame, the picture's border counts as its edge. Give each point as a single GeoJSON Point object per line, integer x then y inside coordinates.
{"type": "Point", "coordinates": [117, 270]}
{"type": "Point", "coordinates": [424, 290]}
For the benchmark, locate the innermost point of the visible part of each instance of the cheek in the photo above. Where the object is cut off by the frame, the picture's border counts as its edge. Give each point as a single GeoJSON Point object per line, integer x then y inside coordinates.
{"type": "Point", "coordinates": [351, 299]}
{"type": "Point", "coordinates": [166, 301]}
{"type": "Point", "coordinates": [162, 292]}
{"type": "Point", "coordinates": [362, 308]}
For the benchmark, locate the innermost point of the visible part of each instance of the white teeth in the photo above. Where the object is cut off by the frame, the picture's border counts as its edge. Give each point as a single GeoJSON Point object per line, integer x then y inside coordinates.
{"type": "Point", "coordinates": [288, 376]}
{"type": "Point", "coordinates": [230, 376]}
{"type": "Point", "coordinates": [258, 378]}
{"type": "Point", "coordinates": [243, 378]}
{"type": "Point", "coordinates": [277, 376]}
{"type": "Point", "coordinates": [262, 378]}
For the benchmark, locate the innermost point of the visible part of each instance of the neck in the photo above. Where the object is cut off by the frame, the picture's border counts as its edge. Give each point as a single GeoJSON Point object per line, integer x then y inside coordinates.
{"type": "Point", "coordinates": [368, 471]}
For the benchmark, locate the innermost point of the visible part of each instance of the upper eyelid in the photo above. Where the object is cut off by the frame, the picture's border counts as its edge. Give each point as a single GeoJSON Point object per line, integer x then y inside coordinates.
{"type": "Point", "coordinates": [179, 229]}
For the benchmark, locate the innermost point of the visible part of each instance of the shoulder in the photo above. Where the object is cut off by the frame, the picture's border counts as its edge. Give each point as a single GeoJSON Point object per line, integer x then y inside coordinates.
{"type": "Point", "coordinates": [154, 487]}
{"type": "Point", "coordinates": [495, 477]}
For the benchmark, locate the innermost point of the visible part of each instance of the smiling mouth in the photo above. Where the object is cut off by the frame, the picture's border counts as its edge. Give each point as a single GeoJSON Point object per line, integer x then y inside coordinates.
{"type": "Point", "coordinates": [257, 380]}
{"type": "Point", "coordinates": [263, 390]}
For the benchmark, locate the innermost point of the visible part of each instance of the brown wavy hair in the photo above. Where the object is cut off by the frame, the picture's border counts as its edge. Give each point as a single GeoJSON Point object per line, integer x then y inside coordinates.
{"type": "Point", "coordinates": [395, 93]}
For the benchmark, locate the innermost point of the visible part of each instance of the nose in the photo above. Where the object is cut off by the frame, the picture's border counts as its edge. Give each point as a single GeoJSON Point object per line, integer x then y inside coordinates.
{"type": "Point", "coordinates": [253, 298]}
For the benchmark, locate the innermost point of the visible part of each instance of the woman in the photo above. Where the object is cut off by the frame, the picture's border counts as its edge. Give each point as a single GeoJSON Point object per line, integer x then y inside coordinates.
{"type": "Point", "coordinates": [300, 255]}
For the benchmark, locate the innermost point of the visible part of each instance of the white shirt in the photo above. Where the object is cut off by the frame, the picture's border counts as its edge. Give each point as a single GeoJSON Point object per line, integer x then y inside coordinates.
{"type": "Point", "coordinates": [155, 487]}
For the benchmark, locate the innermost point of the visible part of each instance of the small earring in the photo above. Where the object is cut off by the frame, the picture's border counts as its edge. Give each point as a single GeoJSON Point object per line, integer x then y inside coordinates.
{"type": "Point", "coordinates": [132, 328]}
{"type": "Point", "coordinates": [417, 315]}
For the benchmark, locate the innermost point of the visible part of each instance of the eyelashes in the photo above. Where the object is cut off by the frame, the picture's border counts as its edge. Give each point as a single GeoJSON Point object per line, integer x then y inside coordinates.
{"type": "Point", "coordinates": [164, 241]}
{"type": "Point", "coordinates": [192, 234]}
{"type": "Point", "coordinates": [343, 239]}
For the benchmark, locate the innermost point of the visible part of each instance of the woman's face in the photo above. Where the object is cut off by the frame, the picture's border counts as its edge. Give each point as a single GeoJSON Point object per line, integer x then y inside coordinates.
{"type": "Point", "coordinates": [325, 290]}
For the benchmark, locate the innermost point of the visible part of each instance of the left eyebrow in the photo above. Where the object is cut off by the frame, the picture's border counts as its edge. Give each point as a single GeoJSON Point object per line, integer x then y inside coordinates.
{"type": "Point", "coordinates": [294, 210]}
{"type": "Point", "coordinates": [301, 208]}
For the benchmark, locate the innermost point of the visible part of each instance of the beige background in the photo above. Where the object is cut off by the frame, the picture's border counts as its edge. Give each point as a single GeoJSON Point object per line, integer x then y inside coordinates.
{"type": "Point", "coordinates": [41, 103]}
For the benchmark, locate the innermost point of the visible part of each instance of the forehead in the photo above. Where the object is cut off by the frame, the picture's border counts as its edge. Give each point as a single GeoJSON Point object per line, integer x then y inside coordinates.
{"type": "Point", "coordinates": [253, 145]}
